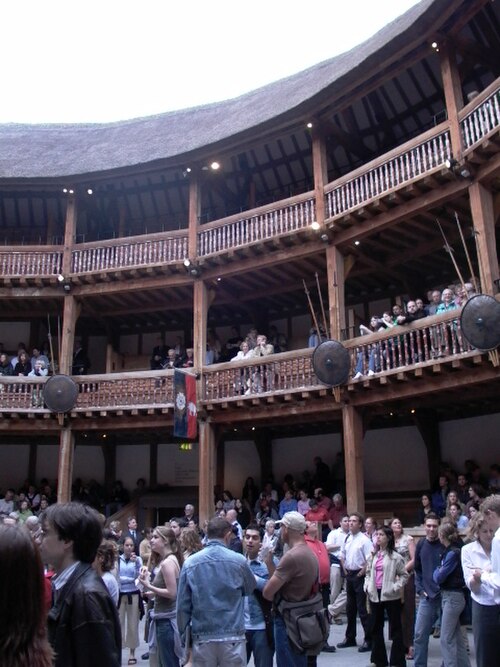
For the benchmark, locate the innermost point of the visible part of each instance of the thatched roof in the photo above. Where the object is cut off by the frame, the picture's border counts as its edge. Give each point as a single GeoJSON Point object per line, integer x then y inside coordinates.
{"type": "Point", "coordinates": [51, 151]}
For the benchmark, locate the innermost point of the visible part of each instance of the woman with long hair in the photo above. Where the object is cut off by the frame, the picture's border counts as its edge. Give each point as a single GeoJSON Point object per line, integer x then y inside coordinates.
{"type": "Point", "coordinates": [385, 579]}
{"type": "Point", "coordinates": [476, 558]}
{"type": "Point", "coordinates": [23, 632]}
{"type": "Point", "coordinates": [130, 607]}
{"type": "Point", "coordinates": [104, 563]}
{"type": "Point", "coordinates": [425, 508]}
{"type": "Point", "coordinates": [166, 547]}
{"type": "Point", "coordinates": [190, 542]}
{"type": "Point", "coordinates": [405, 546]}
{"type": "Point", "coordinates": [449, 576]}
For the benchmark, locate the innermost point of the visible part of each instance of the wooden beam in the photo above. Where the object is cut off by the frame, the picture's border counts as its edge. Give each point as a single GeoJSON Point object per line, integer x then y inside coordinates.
{"type": "Point", "coordinates": [70, 316]}
{"type": "Point", "coordinates": [69, 235]}
{"type": "Point", "coordinates": [453, 95]}
{"type": "Point", "coordinates": [483, 216]}
{"type": "Point", "coordinates": [352, 422]}
{"type": "Point", "coordinates": [194, 214]}
{"type": "Point", "coordinates": [264, 445]}
{"type": "Point", "coordinates": [200, 306]}
{"type": "Point", "coordinates": [65, 465]}
{"type": "Point", "coordinates": [336, 291]}
{"type": "Point", "coordinates": [207, 470]}
{"type": "Point", "coordinates": [320, 171]}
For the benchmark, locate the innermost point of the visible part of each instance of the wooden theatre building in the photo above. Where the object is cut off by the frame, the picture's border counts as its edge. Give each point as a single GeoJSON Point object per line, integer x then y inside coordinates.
{"type": "Point", "coordinates": [173, 225]}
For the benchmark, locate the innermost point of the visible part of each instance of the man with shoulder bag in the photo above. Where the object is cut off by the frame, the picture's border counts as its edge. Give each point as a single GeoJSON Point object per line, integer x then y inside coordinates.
{"type": "Point", "coordinates": [300, 622]}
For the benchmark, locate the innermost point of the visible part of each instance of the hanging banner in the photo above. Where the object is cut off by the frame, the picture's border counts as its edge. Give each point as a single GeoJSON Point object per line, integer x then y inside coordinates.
{"type": "Point", "coordinates": [185, 422]}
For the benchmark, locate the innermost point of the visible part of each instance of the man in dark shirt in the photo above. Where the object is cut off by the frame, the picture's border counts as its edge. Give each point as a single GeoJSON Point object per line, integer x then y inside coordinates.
{"type": "Point", "coordinates": [427, 558]}
{"type": "Point", "coordinates": [83, 623]}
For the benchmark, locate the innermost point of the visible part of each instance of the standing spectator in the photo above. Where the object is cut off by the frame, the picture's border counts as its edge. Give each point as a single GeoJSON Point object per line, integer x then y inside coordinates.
{"type": "Point", "coordinates": [145, 546]}
{"type": "Point", "coordinates": [449, 576]}
{"type": "Point", "coordinates": [439, 496]}
{"type": "Point", "coordinates": [6, 368]}
{"type": "Point", "coordinates": [250, 491]}
{"type": "Point", "coordinates": [243, 511]}
{"type": "Point", "coordinates": [405, 546]}
{"type": "Point", "coordinates": [337, 511]}
{"type": "Point", "coordinates": [271, 536]}
{"type": "Point", "coordinates": [104, 564]}
{"type": "Point", "coordinates": [476, 558]}
{"type": "Point", "coordinates": [81, 362]}
{"type": "Point", "coordinates": [354, 555]}
{"type": "Point", "coordinates": [212, 587]}
{"type": "Point", "coordinates": [23, 632]}
{"type": "Point", "coordinates": [167, 548]}
{"type": "Point", "coordinates": [318, 514]}
{"type": "Point", "coordinates": [427, 557]}
{"type": "Point", "coordinates": [132, 532]}
{"type": "Point", "coordinates": [385, 579]}
{"type": "Point", "coordinates": [321, 553]}
{"type": "Point", "coordinates": [259, 627]}
{"type": "Point", "coordinates": [130, 601]}
{"type": "Point", "coordinates": [425, 508]}
{"type": "Point", "coordinates": [83, 623]}
{"type": "Point", "coordinates": [334, 542]}
{"type": "Point", "coordinates": [293, 579]}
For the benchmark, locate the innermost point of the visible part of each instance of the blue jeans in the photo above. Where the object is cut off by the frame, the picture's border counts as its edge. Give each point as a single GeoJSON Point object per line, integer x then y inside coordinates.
{"type": "Point", "coordinates": [426, 615]}
{"type": "Point", "coordinates": [452, 640]}
{"type": "Point", "coordinates": [285, 655]}
{"type": "Point", "coordinates": [258, 645]}
{"type": "Point", "coordinates": [166, 643]}
{"type": "Point", "coordinates": [486, 628]}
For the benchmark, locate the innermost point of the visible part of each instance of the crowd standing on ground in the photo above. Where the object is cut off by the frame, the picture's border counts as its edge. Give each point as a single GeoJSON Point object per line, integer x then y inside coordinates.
{"type": "Point", "coordinates": [278, 548]}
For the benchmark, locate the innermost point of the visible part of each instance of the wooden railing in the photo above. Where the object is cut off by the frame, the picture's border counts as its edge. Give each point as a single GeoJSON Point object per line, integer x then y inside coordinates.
{"type": "Point", "coordinates": [382, 176]}
{"type": "Point", "coordinates": [267, 222]}
{"type": "Point", "coordinates": [483, 119]}
{"type": "Point", "coordinates": [130, 252]}
{"type": "Point", "coordinates": [30, 261]}
{"type": "Point", "coordinates": [425, 341]}
{"type": "Point", "coordinates": [119, 391]}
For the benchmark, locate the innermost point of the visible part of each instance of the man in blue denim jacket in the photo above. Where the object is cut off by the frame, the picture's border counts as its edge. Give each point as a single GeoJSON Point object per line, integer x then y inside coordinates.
{"type": "Point", "coordinates": [210, 598]}
{"type": "Point", "coordinates": [258, 620]}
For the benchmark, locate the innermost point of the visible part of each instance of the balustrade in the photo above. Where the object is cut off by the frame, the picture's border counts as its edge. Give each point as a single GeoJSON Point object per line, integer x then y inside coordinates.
{"type": "Point", "coordinates": [127, 253]}
{"type": "Point", "coordinates": [482, 120]}
{"type": "Point", "coordinates": [262, 224]}
{"type": "Point", "coordinates": [33, 262]}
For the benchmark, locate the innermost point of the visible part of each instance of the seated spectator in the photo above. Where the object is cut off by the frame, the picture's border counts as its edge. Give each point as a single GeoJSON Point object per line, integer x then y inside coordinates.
{"type": "Point", "coordinates": [494, 479]}
{"type": "Point", "coordinates": [227, 500]}
{"type": "Point", "coordinates": [24, 511]}
{"type": "Point", "coordinates": [188, 359]}
{"type": "Point", "coordinates": [39, 369]}
{"type": "Point", "coordinates": [462, 489]}
{"type": "Point", "coordinates": [454, 514]}
{"type": "Point", "coordinates": [439, 496]}
{"type": "Point", "coordinates": [262, 347]}
{"type": "Point", "coordinates": [21, 347]}
{"type": "Point", "coordinates": [447, 302]}
{"type": "Point", "coordinates": [23, 365]}
{"type": "Point", "coordinates": [425, 508]}
{"type": "Point", "coordinates": [288, 504]}
{"type": "Point", "coordinates": [336, 511]}
{"type": "Point", "coordinates": [318, 514]}
{"type": "Point", "coordinates": [36, 355]}
{"type": "Point", "coordinates": [244, 513]}
{"type": "Point", "coordinates": [413, 313]}
{"type": "Point", "coordinates": [303, 502]}
{"type": "Point", "coordinates": [476, 495]}
{"type": "Point", "coordinates": [171, 361]}
{"type": "Point", "coordinates": [159, 355]}
{"type": "Point", "coordinates": [7, 502]}
{"type": "Point", "coordinates": [244, 353]}
{"type": "Point", "coordinates": [33, 497]}
{"type": "Point", "coordinates": [434, 303]}
{"type": "Point", "coordinates": [321, 498]}
{"type": "Point", "coordinates": [250, 491]}
{"type": "Point", "coordinates": [452, 498]}
{"type": "Point", "coordinates": [251, 338]}
{"type": "Point", "coordinates": [265, 512]}
{"type": "Point", "coordinates": [6, 368]}
{"type": "Point", "coordinates": [277, 340]}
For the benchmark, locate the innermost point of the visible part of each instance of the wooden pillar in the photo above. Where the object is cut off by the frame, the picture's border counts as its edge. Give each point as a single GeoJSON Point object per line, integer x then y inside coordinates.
{"type": "Point", "coordinates": [109, 453]}
{"type": "Point", "coordinates": [483, 216]}
{"type": "Point", "coordinates": [352, 423]}
{"type": "Point", "coordinates": [207, 470]}
{"type": "Point", "coordinates": [320, 171]}
{"type": "Point", "coordinates": [194, 215]}
{"type": "Point", "coordinates": [427, 423]}
{"type": "Point", "coordinates": [336, 291]}
{"type": "Point", "coordinates": [453, 96]}
{"type": "Point", "coordinates": [65, 468]}
{"type": "Point", "coordinates": [70, 315]}
{"type": "Point", "coordinates": [69, 235]}
{"type": "Point", "coordinates": [200, 300]}
{"type": "Point", "coordinates": [220, 463]}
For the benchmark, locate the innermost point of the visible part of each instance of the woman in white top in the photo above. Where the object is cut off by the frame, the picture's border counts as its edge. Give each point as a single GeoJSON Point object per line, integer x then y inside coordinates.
{"type": "Point", "coordinates": [476, 557]}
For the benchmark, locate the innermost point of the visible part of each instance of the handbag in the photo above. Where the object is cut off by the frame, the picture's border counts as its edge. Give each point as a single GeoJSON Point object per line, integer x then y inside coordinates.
{"type": "Point", "coordinates": [306, 623]}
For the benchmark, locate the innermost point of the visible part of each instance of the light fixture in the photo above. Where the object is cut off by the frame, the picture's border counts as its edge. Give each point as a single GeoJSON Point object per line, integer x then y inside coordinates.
{"type": "Point", "coordinates": [60, 278]}
{"type": "Point", "coordinates": [187, 262]}
{"type": "Point", "coordinates": [215, 165]}
{"type": "Point", "coordinates": [325, 238]}
{"type": "Point", "coordinates": [463, 170]}
{"type": "Point", "coordinates": [434, 45]}
{"type": "Point", "coordinates": [309, 125]}
{"type": "Point", "coordinates": [90, 191]}
{"type": "Point", "coordinates": [412, 411]}
{"type": "Point", "coordinates": [219, 279]}
{"type": "Point", "coordinates": [185, 446]}
{"type": "Point", "coordinates": [315, 225]}
{"type": "Point", "coordinates": [357, 242]}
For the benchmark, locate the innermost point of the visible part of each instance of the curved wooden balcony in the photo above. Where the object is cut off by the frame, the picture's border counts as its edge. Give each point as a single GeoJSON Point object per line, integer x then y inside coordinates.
{"type": "Point", "coordinates": [420, 160]}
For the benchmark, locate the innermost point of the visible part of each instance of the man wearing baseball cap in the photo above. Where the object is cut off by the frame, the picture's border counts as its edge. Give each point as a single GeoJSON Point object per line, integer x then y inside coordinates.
{"type": "Point", "coordinates": [294, 578]}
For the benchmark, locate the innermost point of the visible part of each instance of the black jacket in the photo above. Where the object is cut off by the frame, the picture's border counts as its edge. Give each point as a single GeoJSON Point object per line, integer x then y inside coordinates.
{"type": "Point", "coordinates": [83, 625]}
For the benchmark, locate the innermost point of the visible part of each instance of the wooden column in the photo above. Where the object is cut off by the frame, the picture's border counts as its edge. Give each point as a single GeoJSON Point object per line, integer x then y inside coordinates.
{"type": "Point", "coordinates": [264, 445]}
{"type": "Point", "coordinates": [352, 423]}
{"type": "Point", "coordinates": [483, 216]}
{"type": "Point", "coordinates": [336, 291]}
{"type": "Point", "coordinates": [194, 215]}
{"type": "Point", "coordinates": [200, 301]}
{"type": "Point", "coordinates": [70, 315]}
{"type": "Point", "coordinates": [153, 463]}
{"type": "Point", "coordinates": [207, 470]}
{"type": "Point", "coordinates": [32, 461]}
{"type": "Point", "coordinates": [427, 423]}
{"type": "Point", "coordinates": [320, 170]}
{"type": "Point", "coordinates": [453, 96]}
{"type": "Point", "coordinates": [69, 235]}
{"type": "Point", "coordinates": [65, 469]}
{"type": "Point", "coordinates": [109, 453]}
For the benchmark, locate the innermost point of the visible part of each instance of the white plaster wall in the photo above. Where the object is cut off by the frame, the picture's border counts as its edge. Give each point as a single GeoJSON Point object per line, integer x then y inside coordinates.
{"type": "Point", "coordinates": [241, 461]}
{"type": "Point", "coordinates": [175, 467]}
{"type": "Point", "coordinates": [89, 463]}
{"type": "Point", "coordinates": [395, 460]}
{"type": "Point", "coordinates": [132, 462]}
{"type": "Point", "coordinates": [46, 462]}
{"type": "Point", "coordinates": [13, 465]}
{"type": "Point", "coordinates": [475, 438]}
